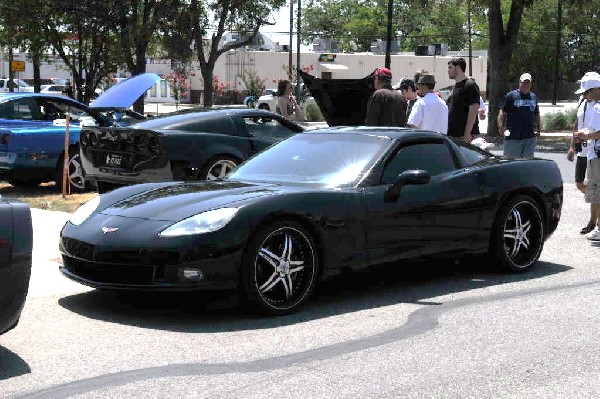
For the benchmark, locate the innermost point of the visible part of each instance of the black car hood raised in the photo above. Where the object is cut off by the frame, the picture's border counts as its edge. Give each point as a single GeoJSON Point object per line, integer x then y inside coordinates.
{"type": "Point", "coordinates": [343, 102]}
{"type": "Point", "coordinates": [181, 200]}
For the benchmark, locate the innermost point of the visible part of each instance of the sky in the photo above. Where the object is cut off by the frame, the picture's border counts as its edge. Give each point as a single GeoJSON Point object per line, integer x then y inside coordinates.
{"type": "Point", "coordinates": [280, 31]}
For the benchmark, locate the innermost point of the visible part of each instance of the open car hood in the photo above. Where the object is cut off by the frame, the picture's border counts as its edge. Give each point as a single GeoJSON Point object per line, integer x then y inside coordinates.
{"type": "Point", "coordinates": [343, 102]}
{"type": "Point", "coordinates": [125, 93]}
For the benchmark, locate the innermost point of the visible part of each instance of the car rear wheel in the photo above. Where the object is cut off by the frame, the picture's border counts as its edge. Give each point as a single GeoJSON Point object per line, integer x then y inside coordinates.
{"type": "Point", "coordinates": [76, 178]}
{"type": "Point", "coordinates": [519, 234]}
{"type": "Point", "coordinates": [280, 268]}
{"type": "Point", "coordinates": [218, 168]}
{"type": "Point", "coordinates": [264, 106]}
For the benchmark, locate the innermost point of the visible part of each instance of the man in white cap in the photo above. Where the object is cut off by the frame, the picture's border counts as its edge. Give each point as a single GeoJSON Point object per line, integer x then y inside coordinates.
{"type": "Point", "coordinates": [590, 88]}
{"type": "Point", "coordinates": [521, 111]}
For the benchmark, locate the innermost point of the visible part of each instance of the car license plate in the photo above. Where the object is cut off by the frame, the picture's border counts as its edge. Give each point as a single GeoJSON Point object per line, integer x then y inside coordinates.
{"type": "Point", "coordinates": [114, 160]}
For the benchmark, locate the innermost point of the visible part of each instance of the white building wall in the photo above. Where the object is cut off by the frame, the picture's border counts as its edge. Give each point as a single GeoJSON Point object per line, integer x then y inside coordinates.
{"type": "Point", "coordinates": [272, 66]}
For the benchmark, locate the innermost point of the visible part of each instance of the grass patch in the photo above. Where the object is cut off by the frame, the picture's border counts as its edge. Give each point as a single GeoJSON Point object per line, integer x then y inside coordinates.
{"type": "Point", "coordinates": [46, 196]}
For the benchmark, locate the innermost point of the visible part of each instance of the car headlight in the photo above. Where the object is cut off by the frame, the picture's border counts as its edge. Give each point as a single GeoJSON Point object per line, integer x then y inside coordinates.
{"type": "Point", "coordinates": [84, 211]}
{"type": "Point", "coordinates": [204, 222]}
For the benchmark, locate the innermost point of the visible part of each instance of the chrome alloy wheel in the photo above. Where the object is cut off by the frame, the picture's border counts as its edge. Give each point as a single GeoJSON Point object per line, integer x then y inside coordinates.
{"type": "Point", "coordinates": [220, 169]}
{"type": "Point", "coordinates": [284, 268]}
{"type": "Point", "coordinates": [76, 175]}
{"type": "Point", "coordinates": [523, 234]}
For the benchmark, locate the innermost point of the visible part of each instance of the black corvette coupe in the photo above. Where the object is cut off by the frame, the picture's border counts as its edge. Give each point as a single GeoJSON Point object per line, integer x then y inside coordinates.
{"type": "Point", "coordinates": [311, 206]}
{"type": "Point", "coordinates": [16, 243]}
{"type": "Point", "coordinates": [193, 146]}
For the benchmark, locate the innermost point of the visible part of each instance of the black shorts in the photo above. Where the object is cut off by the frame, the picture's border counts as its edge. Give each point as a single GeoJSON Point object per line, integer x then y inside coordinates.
{"type": "Point", "coordinates": [580, 167]}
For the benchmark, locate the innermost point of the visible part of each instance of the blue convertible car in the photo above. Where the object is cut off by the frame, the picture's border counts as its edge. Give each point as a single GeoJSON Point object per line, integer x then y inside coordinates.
{"type": "Point", "coordinates": [32, 130]}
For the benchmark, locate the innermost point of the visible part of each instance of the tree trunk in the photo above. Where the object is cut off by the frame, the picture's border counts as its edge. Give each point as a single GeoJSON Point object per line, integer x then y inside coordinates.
{"type": "Point", "coordinates": [501, 46]}
{"type": "Point", "coordinates": [207, 76]}
{"type": "Point", "coordinates": [139, 68]}
{"type": "Point", "coordinates": [36, 72]}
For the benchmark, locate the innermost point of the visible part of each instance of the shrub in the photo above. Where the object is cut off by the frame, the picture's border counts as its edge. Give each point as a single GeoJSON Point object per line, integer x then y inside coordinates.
{"type": "Point", "coordinates": [560, 120]}
{"type": "Point", "coordinates": [313, 113]}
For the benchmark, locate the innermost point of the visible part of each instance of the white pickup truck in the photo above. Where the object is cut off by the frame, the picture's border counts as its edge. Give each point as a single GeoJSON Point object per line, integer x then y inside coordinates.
{"type": "Point", "coordinates": [17, 84]}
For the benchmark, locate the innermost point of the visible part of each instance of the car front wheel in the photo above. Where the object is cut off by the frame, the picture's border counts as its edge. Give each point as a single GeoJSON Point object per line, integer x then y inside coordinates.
{"type": "Point", "coordinates": [519, 234]}
{"type": "Point", "coordinates": [280, 269]}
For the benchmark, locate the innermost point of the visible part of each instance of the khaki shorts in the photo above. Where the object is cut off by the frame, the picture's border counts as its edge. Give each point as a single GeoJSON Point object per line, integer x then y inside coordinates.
{"type": "Point", "coordinates": [592, 181]}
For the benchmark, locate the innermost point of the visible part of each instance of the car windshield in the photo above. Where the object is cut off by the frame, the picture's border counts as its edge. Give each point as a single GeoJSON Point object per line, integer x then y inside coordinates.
{"type": "Point", "coordinates": [323, 159]}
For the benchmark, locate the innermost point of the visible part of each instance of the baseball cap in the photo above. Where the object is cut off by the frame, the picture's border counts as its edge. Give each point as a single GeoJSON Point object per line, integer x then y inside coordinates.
{"type": "Point", "coordinates": [524, 77]}
{"type": "Point", "coordinates": [383, 73]}
{"type": "Point", "coordinates": [405, 83]}
{"type": "Point", "coordinates": [590, 80]}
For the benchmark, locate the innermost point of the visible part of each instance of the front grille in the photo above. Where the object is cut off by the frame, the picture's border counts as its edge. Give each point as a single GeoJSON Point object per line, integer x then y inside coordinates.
{"type": "Point", "coordinates": [78, 249]}
{"type": "Point", "coordinates": [113, 274]}
{"type": "Point", "coordinates": [138, 257]}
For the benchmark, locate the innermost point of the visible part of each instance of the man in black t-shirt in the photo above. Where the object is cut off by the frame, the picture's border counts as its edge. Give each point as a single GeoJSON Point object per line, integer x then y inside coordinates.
{"type": "Point", "coordinates": [463, 103]}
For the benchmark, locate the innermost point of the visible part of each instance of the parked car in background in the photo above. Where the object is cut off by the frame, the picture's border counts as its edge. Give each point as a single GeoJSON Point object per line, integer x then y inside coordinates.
{"type": "Point", "coordinates": [32, 131]}
{"type": "Point", "coordinates": [250, 101]}
{"type": "Point", "coordinates": [268, 101]}
{"type": "Point", "coordinates": [45, 81]}
{"type": "Point", "coordinates": [445, 92]}
{"type": "Point", "coordinates": [315, 205]}
{"type": "Point", "coordinates": [52, 89]}
{"type": "Point", "coordinates": [16, 244]}
{"type": "Point", "coordinates": [193, 146]}
{"type": "Point", "coordinates": [18, 85]}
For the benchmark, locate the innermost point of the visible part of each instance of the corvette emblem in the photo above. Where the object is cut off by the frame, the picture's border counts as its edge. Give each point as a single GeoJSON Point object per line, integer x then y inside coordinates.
{"type": "Point", "coordinates": [109, 229]}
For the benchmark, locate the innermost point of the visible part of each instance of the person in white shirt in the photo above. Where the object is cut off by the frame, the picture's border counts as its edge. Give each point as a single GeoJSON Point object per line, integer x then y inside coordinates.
{"type": "Point", "coordinates": [429, 112]}
{"type": "Point", "coordinates": [590, 88]}
{"type": "Point", "coordinates": [482, 109]}
{"type": "Point", "coordinates": [578, 151]}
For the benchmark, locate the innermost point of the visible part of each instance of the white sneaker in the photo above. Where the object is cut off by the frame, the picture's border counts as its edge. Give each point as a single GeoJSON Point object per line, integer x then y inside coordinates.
{"type": "Point", "coordinates": [593, 235]}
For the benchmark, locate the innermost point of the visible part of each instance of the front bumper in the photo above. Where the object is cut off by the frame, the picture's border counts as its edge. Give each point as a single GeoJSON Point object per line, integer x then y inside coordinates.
{"type": "Point", "coordinates": [117, 268]}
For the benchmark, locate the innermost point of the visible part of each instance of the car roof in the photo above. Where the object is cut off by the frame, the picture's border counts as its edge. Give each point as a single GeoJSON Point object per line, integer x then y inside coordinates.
{"type": "Point", "coordinates": [393, 133]}
{"type": "Point", "coordinates": [8, 96]}
{"type": "Point", "coordinates": [191, 115]}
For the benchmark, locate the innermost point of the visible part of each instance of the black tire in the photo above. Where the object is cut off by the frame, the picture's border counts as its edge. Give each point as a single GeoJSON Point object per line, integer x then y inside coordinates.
{"type": "Point", "coordinates": [280, 268]}
{"type": "Point", "coordinates": [518, 236]}
{"type": "Point", "coordinates": [76, 179]}
{"type": "Point", "coordinates": [24, 183]}
{"type": "Point", "coordinates": [218, 167]}
{"type": "Point", "coordinates": [264, 106]}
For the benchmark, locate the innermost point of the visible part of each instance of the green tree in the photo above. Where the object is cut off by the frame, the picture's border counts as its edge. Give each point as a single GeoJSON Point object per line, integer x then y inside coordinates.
{"type": "Point", "coordinates": [212, 19]}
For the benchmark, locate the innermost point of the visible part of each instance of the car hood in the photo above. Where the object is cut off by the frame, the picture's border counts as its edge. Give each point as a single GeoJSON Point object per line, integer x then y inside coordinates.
{"type": "Point", "coordinates": [126, 92]}
{"type": "Point", "coordinates": [343, 102]}
{"type": "Point", "coordinates": [179, 201]}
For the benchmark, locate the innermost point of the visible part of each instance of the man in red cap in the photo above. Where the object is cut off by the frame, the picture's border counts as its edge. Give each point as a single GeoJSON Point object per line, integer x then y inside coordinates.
{"type": "Point", "coordinates": [386, 107]}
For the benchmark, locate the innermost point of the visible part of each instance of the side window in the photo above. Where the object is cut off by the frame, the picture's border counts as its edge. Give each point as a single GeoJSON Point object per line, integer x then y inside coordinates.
{"type": "Point", "coordinates": [17, 109]}
{"type": "Point", "coordinates": [50, 109]}
{"type": "Point", "coordinates": [470, 153]}
{"type": "Point", "coordinates": [222, 125]}
{"type": "Point", "coordinates": [435, 158]}
{"type": "Point", "coordinates": [266, 127]}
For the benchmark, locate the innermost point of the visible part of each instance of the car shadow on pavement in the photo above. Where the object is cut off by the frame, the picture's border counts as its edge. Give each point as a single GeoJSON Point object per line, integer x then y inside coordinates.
{"type": "Point", "coordinates": [11, 365]}
{"type": "Point", "coordinates": [416, 282]}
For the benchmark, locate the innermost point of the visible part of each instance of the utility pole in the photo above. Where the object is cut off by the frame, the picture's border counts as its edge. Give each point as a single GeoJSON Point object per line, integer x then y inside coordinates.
{"type": "Point", "coordinates": [388, 45]}
{"type": "Point", "coordinates": [470, 27]}
{"type": "Point", "coordinates": [290, 60]}
{"type": "Point", "coordinates": [298, 27]}
{"type": "Point", "coordinates": [557, 52]}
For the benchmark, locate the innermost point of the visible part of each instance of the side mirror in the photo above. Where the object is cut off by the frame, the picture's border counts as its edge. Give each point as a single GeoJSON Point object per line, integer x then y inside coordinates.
{"type": "Point", "coordinates": [408, 177]}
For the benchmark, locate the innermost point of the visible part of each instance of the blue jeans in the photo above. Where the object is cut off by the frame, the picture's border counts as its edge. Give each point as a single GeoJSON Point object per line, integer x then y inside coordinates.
{"type": "Point", "coordinates": [519, 148]}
